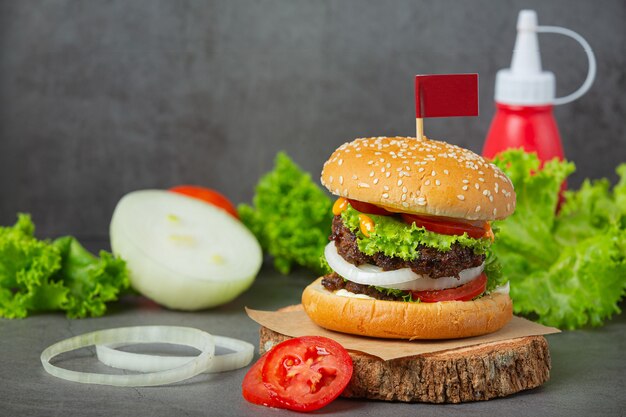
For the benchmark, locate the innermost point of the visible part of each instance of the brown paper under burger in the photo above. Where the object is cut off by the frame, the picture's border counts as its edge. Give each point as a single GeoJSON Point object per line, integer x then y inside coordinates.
{"type": "Point", "coordinates": [296, 323]}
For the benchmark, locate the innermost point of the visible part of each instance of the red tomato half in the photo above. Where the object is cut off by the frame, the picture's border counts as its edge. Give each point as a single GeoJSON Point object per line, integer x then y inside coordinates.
{"type": "Point", "coordinates": [465, 292]}
{"type": "Point", "coordinates": [253, 389]}
{"type": "Point", "coordinates": [368, 208]}
{"type": "Point", "coordinates": [447, 227]}
{"type": "Point", "coordinates": [307, 373]}
{"type": "Point", "coordinates": [207, 195]}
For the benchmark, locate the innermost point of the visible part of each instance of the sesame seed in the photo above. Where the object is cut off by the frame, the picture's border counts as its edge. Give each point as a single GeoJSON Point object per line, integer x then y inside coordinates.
{"type": "Point", "coordinates": [495, 210]}
{"type": "Point", "coordinates": [354, 177]}
{"type": "Point", "coordinates": [485, 192]}
{"type": "Point", "coordinates": [385, 188]}
{"type": "Point", "coordinates": [508, 207]}
{"type": "Point", "coordinates": [375, 180]}
{"type": "Point", "coordinates": [477, 186]}
{"type": "Point", "coordinates": [340, 162]}
{"type": "Point", "coordinates": [496, 187]}
{"type": "Point", "coordinates": [491, 198]}
{"type": "Point", "coordinates": [437, 182]}
{"type": "Point", "coordinates": [404, 189]}
{"type": "Point", "coordinates": [481, 179]}
{"type": "Point", "coordinates": [387, 174]}
{"type": "Point", "coordinates": [385, 195]}
{"type": "Point", "coordinates": [403, 197]}
{"type": "Point", "coordinates": [330, 179]}
{"type": "Point", "coordinates": [405, 204]}
{"type": "Point", "coordinates": [445, 171]}
{"type": "Point", "coordinates": [370, 162]}
{"type": "Point", "coordinates": [460, 197]}
{"type": "Point", "coordinates": [433, 173]}
{"type": "Point", "coordinates": [421, 169]}
{"type": "Point", "coordinates": [399, 183]}
{"type": "Point", "coordinates": [340, 179]}
{"type": "Point", "coordinates": [464, 188]}
{"type": "Point", "coordinates": [382, 169]}
{"type": "Point", "coordinates": [477, 209]}
{"type": "Point", "coordinates": [358, 155]}
{"type": "Point", "coordinates": [388, 165]}
{"type": "Point", "coordinates": [364, 185]}
{"type": "Point", "coordinates": [427, 182]}
{"type": "Point", "coordinates": [371, 173]}
{"type": "Point", "coordinates": [465, 182]}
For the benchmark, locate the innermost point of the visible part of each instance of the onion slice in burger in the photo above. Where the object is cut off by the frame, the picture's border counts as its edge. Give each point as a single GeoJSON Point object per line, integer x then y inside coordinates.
{"type": "Point", "coordinates": [241, 356]}
{"type": "Point", "coordinates": [400, 279]}
{"type": "Point", "coordinates": [187, 336]}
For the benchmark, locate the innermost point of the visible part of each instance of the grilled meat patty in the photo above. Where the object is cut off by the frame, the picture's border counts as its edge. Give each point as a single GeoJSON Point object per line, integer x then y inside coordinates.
{"type": "Point", "coordinates": [334, 282]}
{"type": "Point", "coordinates": [431, 262]}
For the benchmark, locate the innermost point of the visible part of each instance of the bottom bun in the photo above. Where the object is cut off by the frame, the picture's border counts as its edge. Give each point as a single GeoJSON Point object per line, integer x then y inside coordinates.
{"type": "Point", "coordinates": [406, 320]}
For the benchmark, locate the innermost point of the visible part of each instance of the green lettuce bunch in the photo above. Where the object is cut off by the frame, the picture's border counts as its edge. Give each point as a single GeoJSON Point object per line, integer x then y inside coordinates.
{"type": "Point", "coordinates": [38, 275]}
{"type": "Point", "coordinates": [568, 269]}
{"type": "Point", "coordinates": [291, 217]}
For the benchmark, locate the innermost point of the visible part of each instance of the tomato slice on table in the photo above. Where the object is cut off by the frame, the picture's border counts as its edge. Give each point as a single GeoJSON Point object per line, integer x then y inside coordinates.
{"type": "Point", "coordinates": [474, 230]}
{"type": "Point", "coordinates": [307, 373]}
{"type": "Point", "coordinates": [253, 389]}
{"type": "Point", "coordinates": [465, 292]}
{"type": "Point", "coordinates": [368, 208]}
{"type": "Point", "coordinates": [207, 195]}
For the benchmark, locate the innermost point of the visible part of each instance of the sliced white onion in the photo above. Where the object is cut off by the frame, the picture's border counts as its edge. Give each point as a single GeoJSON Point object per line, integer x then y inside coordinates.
{"type": "Point", "coordinates": [111, 356]}
{"type": "Point", "coordinates": [400, 279]}
{"type": "Point", "coordinates": [182, 252]}
{"type": "Point", "coordinates": [187, 336]}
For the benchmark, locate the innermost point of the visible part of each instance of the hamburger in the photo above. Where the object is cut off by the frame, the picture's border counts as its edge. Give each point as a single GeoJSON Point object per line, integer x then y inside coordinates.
{"type": "Point", "coordinates": [410, 243]}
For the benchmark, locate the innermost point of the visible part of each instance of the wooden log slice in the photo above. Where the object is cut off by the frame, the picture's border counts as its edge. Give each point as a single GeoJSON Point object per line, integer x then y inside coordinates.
{"type": "Point", "coordinates": [474, 373]}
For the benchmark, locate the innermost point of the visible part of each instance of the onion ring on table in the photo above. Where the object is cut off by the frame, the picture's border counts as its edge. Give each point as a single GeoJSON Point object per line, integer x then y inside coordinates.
{"type": "Point", "coordinates": [141, 362]}
{"type": "Point", "coordinates": [188, 336]}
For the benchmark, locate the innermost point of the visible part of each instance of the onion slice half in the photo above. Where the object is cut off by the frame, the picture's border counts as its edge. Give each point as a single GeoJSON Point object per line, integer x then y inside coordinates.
{"type": "Point", "coordinates": [141, 362]}
{"type": "Point", "coordinates": [187, 336]}
{"type": "Point", "coordinates": [399, 279]}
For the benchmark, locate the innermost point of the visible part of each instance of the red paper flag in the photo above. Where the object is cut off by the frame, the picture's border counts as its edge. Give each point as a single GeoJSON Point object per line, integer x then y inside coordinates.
{"type": "Point", "coordinates": [446, 95]}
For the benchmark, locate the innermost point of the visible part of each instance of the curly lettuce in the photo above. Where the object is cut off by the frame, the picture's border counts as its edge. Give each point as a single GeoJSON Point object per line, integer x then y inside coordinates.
{"type": "Point", "coordinates": [290, 216]}
{"type": "Point", "coordinates": [394, 237]}
{"type": "Point", "coordinates": [38, 275]}
{"type": "Point", "coordinates": [568, 269]}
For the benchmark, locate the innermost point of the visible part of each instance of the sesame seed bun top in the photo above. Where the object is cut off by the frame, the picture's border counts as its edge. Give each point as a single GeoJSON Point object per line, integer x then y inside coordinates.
{"type": "Point", "coordinates": [419, 176]}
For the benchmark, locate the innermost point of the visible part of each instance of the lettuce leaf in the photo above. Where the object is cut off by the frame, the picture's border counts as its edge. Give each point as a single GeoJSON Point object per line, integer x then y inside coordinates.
{"type": "Point", "coordinates": [37, 275]}
{"type": "Point", "coordinates": [568, 269]}
{"type": "Point", "coordinates": [291, 217]}
{"type": "Point", "coordinates": [396, 238]}
{"type": "Point", "coordinates": [91, 281]}
{"type": "Point", "coordinates": [26, 268]}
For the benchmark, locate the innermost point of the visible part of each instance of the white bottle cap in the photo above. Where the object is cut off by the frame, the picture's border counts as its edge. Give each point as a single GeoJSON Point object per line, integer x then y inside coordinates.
{"type": "Point", "coordinates": [525, 83]}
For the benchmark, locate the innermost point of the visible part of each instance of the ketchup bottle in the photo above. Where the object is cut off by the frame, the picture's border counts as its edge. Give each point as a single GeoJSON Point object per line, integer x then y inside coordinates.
{"type": "Point", "coordinates": [525, 99]}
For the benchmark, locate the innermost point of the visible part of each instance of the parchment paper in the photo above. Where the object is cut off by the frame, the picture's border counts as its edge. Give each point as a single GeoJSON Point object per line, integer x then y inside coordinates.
{"type": "Point", "coordinates": [297, 323]}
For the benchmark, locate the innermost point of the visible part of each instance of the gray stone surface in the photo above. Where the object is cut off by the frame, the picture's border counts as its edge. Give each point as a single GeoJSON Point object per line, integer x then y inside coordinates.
{"type": "Point", "coordinates": [587, 379]}
{"type": "Point", "coordinates": [104, 97]}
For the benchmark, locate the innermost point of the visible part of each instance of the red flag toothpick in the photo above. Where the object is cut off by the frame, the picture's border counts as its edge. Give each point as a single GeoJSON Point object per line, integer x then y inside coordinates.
{"type": "Point", "coordinates": [445, 95]}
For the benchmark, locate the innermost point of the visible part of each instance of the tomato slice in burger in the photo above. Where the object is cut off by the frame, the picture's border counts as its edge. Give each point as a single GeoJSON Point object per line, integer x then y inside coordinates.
{"type": "Point", "coordinates": [207, 195]}
{"type": "Point", "coordinates": [368, 208]}
{"type": "Point", "coordinates": [465, 292]}
{"type": "Point", "coordinates": [448, 227]}
{"type": "Point", "coordinates": [307, 373]}
{"type": "Point", "coordinates": [253, 389]}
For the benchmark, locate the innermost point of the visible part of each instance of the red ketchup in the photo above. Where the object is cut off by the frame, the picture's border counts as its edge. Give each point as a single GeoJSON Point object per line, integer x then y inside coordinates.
{"type": "Point", "coordinates": [525, 99]}
{"type": "Point", "coordinates": [531, 128]}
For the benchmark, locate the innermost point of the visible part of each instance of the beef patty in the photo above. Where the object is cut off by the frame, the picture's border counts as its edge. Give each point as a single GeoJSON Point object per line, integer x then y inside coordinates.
{"type": "Point", "coordinates": [431, 262]}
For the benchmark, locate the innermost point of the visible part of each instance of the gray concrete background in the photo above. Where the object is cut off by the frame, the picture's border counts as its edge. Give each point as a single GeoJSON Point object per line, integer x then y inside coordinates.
{"type": "Point", "coordinates": [101, 98]}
